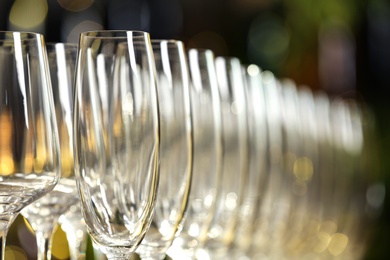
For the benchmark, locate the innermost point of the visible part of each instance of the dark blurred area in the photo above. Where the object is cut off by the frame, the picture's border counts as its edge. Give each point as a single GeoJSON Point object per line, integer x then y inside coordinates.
{"type": "Point", "coordinates": [340, 47]}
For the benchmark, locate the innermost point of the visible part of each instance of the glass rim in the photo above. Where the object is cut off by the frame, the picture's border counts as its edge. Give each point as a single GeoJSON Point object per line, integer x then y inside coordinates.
{"type": "Point", "coordinates": [171, 43]}
{"type": "Point", "coordinates": [165, 40]}
{"type": "Point", "coordinates": [201, 51]}
{"type": "Point", "coordinates": [112, 34]}
{"type": "Point", "coordinates": [4, 35]}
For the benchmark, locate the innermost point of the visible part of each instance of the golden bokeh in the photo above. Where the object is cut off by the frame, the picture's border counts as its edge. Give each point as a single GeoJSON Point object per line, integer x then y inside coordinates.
{"type": "Point", "coordinates": [338, 244]}
{"type": "Point", "coordinates": [6, 158]}
{"type": "Point", "coordinates": [14, 253]}
{"type": "Point", "coordinates": [75, 5]}
{"type": "Point", "coordinates": [28, 14]}
{"type": "Point", "coordinates": [42, 153]}
{"type": "Point", "coordinates": [322, 242]}
{"type": "Point", "coordinates": [67, 161]}
{"type": "Point", "coordinates": [303, 169]}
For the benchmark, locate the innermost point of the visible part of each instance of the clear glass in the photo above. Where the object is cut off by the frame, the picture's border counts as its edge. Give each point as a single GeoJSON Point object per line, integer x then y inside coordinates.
{"type": "Point", "coordinates": [116, 134]}
{"type": "Point", "coordinates": [29, 148]}
{"type": "Point", "coordinates": [234, 157]}
{"type": "Point", "coordinates": [207, 155]}
{"type": "Point", "coordinates": [257, 161]}
{"type": "Point", "coordinates": [325, 194]}
{"type": "Point", "coordinates": [273, 206]}
{"type": "Point", "coordinates": [43, 214]}
{"type": "Point", "coordinates": [175, 164]}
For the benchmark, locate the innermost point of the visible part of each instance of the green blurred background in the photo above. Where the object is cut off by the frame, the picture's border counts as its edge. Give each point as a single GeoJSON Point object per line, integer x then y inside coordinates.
{"type": "Point", "coordinates": [337, 46]}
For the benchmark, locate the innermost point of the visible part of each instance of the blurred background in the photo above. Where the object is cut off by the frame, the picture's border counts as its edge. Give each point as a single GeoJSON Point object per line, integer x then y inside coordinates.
{"type": "Point", "coordinates": [337, 46]}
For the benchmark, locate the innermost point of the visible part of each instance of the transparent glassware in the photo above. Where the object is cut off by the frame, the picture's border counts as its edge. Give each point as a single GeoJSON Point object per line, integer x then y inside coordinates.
{"type": "Point", "coordinates": [234, 156]}
{"type": "Point", "coordinates": [329, 178]}
{"type": "Point", "coordinates": [257, 161]}
{"type": "Point", "coordinates": [274, 207]}
{"type": "Point", "coordinates": [354, 194]}
{"type": "Point", "coordinates": [326, 185]}
{"type": "Point", "coordinates": [116, 133]}
{"type": "Point", "coordinates": [29, 147]}
{"type": "Point", "coordinates": [300, 161]}
{"type": "Point", "coordinates": [207, 155]}
{"type": "Point", "coordinates": [43, 214]}
{"type": "Point", "coordinates": [175, 163]}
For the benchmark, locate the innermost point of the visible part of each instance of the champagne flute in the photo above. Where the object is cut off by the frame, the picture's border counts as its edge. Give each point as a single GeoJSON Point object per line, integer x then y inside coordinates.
{"type": "Point", "coordinates": [356, 190]}
{"type": "Point", "coordinates": [175, 164]}
{"type": "Point", "coordinates": [62, 60]}
{"type": "Point", "coordinates": [116, 134]}
{"type": "Point", "coordinates": [207, 155]}
{"type": "Point", "coordinates": [29, 148]}
{"type": "Point", "coordinates": [329, 179]}
{"type": "Point", "coordinates": [43, 214]}
{"type": "Point", "coordinates": [257, 161]}
{"type": "Point", "coordinates": [234, 159]}
{"type": "Point", "coordinates": [270, 213]}
{"type": "Point", "coordinates": [326, 181]}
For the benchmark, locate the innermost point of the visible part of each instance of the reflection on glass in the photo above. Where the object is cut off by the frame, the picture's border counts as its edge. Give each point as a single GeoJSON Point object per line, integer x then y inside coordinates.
{"type": "Point", "coordinates": [29, 148]}
{"type": "Point", "coordinates": [44, 213]}
{"type": "Point", "coordinates": [175, 164]}
{"type": "Point", "coordinates": [116, 138]}
{"type": "Point", "coordinates": [207, 154]}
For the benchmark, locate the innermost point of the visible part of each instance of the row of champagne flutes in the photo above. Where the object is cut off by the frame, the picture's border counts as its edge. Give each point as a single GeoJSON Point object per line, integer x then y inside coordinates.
{"type": "Point", "coordinates": [177, 146]}
{"type": "Point", "coordinates": [319, 193]}
{"type": "Point", "coordinates": [119, 134]}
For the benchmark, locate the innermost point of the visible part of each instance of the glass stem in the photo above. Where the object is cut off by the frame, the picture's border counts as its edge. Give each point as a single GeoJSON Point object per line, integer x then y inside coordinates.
{"type": "Point", "coordinates": [5, 223]}
{"type": "Point", "coordinates": [3, 235]}
{"type": "Point", "coordinates": [77, 246]}
{"type": "Point", "coordinates": [44, 244]}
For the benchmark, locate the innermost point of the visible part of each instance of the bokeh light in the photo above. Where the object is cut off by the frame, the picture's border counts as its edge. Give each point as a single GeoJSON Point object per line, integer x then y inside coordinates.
{"type": "Point", "coordinates": [74, 33]}
{"type": "Point", "coordinates": [76, 23]}
{"type": "Point", "coordinates": [14, 253]}
{"type": "Point", "coordinates": [6, 159]}
{"type": "Point", "coordinates": [28, 15]}
{"type": "Point", "coordinates": [75, 5]}
{"type": "Point", "coordinates": [253, 70]}
{"type": "Point", "coordinates": [338, 244]}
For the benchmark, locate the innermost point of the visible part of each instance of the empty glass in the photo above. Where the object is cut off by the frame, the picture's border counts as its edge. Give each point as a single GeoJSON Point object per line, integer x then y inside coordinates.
{"type": "Point", "coordinates": [257, 161]}
{"type": "Point", "coordinates": [29, 148]}
{"type": "Point", "coordinates": [324, 185]}
{"type": "Point", "coordinates": [273, 207]}
{"type": "Point", "coordinates": [116, 138]}
{"type": "Point", "coordinates": [234, 156]}
{"type": "Point", "coordinates": [175, 163]}
{"type": "Point", "coordinates": [44, 213]}
{"type": "Point", "coordinates": [207, 155]}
